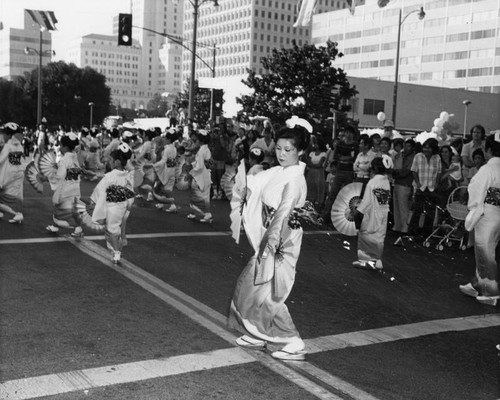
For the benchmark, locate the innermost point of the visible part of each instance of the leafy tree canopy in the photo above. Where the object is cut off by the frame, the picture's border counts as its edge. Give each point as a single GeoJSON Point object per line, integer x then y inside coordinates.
{"type": "Point", "coordinates": [66, 93]}
{"type": "Point", "coordinates": [298, 81]}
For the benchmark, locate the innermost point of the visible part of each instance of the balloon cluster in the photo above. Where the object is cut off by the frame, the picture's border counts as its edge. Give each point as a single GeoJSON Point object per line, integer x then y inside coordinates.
{"type": "Point", "coordinates": [439, 123]}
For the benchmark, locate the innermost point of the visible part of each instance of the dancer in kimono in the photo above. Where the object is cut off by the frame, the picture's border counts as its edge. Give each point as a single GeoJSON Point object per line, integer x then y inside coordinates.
{"type": "Point", "coordinates": [375, 208]}
{"type": "Point", "coordinates": [484, 219]}
{"type": "Point", "coordinates": [12, 174]}
{"type": "Point", "coordinates": [65, 182]}
{"type": "Point", "coordinates": [113, 197]}
{"type": "Point", "coordinates": [144, 174]}
{"type": "Point", "coordinates": [165, 170]}
{"type": "Point", "coordinates": [258, 308]}
{"type": "Point", "coordinates": [201, 179]}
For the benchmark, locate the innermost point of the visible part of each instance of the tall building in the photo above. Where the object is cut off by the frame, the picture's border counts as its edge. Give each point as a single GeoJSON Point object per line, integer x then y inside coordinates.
{"type": "Point", "coordinates": [151, 66]}
{"type": "Point", "coordinates": [242, 31]}
{"type": "Point", "coordinates": [456, 45]}
{"type": "Point", "coordinates": [13, 41]}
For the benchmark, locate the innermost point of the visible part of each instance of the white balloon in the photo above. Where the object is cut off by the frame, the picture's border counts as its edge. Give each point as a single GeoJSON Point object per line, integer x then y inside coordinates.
{"type": "Point", "coordinates": [438, 122]}
{"type": "Point", "coordinates": [444, 116]}
{"type": "Point", "coordinates": [381, 116]}
{"type": "Point", "coordinates": [435, 130]}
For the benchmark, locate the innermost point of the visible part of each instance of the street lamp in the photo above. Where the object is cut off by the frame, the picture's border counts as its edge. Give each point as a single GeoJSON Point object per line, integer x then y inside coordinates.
{"type": "Point", "coordinates": [196, 4]}
{"type": "Point", "coordinates": [91, 105]}
{"type": "Point", "coordinates": [421, 16]}
{"type": "Point", "coordinates": [466, 103]}
{"type": "Point", "coordinates": [40, 53]}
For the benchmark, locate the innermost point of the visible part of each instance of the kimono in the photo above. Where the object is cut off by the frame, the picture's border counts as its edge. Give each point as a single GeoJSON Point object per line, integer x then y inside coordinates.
{"type": "Point", "coordinates": [12, 174]}
{"type": "Point", "coordinates": [484, 198]}
{"type": "Point", "coordinates": [201, 182]}
{"type": "Point", "coordinates": [166, 168]}
{"type": "Point", "coordinates": [143, 173]}
{"type": "Point", "coordinates": [66, 186]}
{"type": "Point", "coordinates": [113, 198]}
{"type": "Point", "coordinates": [375, 207]}
{"type": "Point", "coordinates": [269, 217]}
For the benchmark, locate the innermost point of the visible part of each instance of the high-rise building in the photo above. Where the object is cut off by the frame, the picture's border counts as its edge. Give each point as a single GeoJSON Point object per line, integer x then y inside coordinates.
{"type": "Point", "coordinates": [456, 44]}
{"type": "Point", "coordinates": [242, 31]}
{"type": "Point", "coordinates": [151, 66]}
{"type": "Point", "coordinates": [13, 59]}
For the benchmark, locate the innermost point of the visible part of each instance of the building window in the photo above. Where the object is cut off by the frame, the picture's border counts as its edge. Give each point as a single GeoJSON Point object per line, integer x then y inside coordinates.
{"type": "Point", "coordinates": [373, 107]}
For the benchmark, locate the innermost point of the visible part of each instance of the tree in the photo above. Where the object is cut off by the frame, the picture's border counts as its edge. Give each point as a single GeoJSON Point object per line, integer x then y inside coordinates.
{"type": "Point", "coordinates": [66, 93]}
{"type": "Point", "coordinates": [298, 81]}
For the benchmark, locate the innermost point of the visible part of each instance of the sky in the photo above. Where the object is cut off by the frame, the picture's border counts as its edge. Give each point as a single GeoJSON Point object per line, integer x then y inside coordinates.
{"type": "Point", "coordinates": [75, 18]}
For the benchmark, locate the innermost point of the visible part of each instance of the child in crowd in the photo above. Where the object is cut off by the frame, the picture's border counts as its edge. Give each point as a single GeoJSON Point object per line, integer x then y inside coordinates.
{"type": "Point", "coordinates": [479, 160]}
{"type": "Point", "coordinates": [456, 167]}
{"type": "Point", "coordinates": [113, 197]}
{"type": "Point", "coordinates": [375, 209]}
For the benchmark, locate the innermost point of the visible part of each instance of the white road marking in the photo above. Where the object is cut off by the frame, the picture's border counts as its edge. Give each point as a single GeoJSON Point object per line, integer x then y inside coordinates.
{"type": "Point", "coordinates": [296, 372]}
{"type": "Point", "coordinates": [141, 236]}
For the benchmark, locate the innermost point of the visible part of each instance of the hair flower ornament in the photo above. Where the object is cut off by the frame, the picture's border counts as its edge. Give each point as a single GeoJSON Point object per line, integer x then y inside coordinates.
{"type": "Point", "coordinates": [11, 128]}
{"type": "Point", "coordinates": [256, 151]}
{"type": "Point", "coordinates": [124, 148]}
{"type": "Point", "coordinates": [72, 136]}
{"type": "Point", "coordinates": [497, 136]}
{"type": "Point", "coordinates": [294, 121]}
{"type": "Point", "coordinates": [387, 161]}
{"type": "Point", "coordinates": [202, 132]}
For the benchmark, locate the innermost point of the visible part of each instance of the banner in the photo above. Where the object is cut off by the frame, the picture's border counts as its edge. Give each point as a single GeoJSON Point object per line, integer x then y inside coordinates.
{"type": "Point", "coordinates": [306, 11]}
{"type": "Point", "coordinates": [46, 19]}
{"type": "Point", "coordinates": [352, 6]}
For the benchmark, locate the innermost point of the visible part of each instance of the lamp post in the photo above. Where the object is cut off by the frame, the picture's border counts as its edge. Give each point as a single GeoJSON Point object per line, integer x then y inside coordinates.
{"type": "Point", "coordinates": [466, 103]}
{"type": "Point", "coordinates": [196, 4]}
{"type": "Point", "coordinates": [40, 53]}
{"type": "Point", "coordinates": [91, 105]}
{"type": "Point", "coordinates": [421, 15]}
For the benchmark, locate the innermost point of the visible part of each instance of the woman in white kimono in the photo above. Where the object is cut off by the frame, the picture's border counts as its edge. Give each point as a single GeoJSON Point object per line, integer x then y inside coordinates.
{"type": "Point", "coordinates": [375, 208]}
{"type": "Point", "coordinates": [165, 170]}
{"type": "Point", "coordinates": [12, 173]}
{"type": "Point", "coordinates": [113, 197]}
{"type": "Point", "coordinates": [258, 307]}
{"type": "Point", "coordinates": [65, 182]}
{"type": "Point", "coordinates": [201, 180]}
{"type": "Point", "coordinates": [484, 218]}
{"type": "Point", "coordinates": [144, 174]}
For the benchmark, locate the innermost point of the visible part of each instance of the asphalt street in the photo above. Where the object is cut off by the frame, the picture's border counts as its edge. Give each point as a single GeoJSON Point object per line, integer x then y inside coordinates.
{"type": "Point", "coordinates": [75, 326]}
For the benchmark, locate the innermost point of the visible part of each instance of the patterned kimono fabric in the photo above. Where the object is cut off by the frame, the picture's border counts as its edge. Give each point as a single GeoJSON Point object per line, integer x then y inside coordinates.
{"type": "Point", "coordinates": [258, 305]}
{"type": "Point", "coordinates": [201, 182]}
{"type": "Point", "coordinates": [11, 176]}
{"type": "Point", "coordinates": [165, 170]}
{"type": "Point", "coordinates": [66, 186]}
{"type": "Point", "coordinates": [375, 207]}
{"type": "Point", "coordinates": [113, 198]}
{"type": "Point", "coordinates": [484, 188]}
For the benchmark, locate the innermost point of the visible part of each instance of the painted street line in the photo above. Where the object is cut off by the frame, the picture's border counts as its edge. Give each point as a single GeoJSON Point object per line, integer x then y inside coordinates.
{"type": "Point", "coordinates": [141, 236]}
{"type": "Point", "coordinates": [307, 376]}
{"type": "Point", "coordinates": [87, 379]}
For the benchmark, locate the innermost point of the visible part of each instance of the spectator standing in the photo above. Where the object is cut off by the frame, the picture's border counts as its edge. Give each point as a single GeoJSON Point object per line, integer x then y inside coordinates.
{"type": "Point", "coordinates": [363, 161]}
{"type": "Point", "coordinates": [478, 134]}
{"type": "Point", "coordinates": [426, 169]}
{"type": "Point", "coordinates": [403, 186]}
{"type": "Point", "coordinates": [267, 145]}
{"type": "Point", "coordinates": [315, 176]}
{"type": "Point", "coordinates": [343, 158]}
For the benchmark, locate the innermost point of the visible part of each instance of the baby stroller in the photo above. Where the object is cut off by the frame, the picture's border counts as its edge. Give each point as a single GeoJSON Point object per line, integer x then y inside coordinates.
{"type": "Point", "coordinates": [452, 228]}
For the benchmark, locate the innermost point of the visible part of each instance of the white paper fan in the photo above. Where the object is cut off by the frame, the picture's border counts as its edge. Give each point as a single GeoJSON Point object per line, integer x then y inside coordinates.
{"type": "Point", "coordinates": [346, 201]}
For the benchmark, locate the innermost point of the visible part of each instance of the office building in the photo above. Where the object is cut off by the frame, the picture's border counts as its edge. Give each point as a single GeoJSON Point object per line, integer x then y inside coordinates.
{"type": "Point", "coordinates": [151, 66]}
{"type": "Point", "coordinates": [13, 59]}
{"type": "Point", "coordinates": [242, 31]}
{"type": "Point", "coordinates": [456, 45]}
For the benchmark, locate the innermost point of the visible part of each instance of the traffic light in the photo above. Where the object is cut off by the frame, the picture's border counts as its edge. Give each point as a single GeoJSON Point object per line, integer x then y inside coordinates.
{"type": "Point", "coordinates": [125, 30]}
{"type": "Point", "coordinates": [218, 100]}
